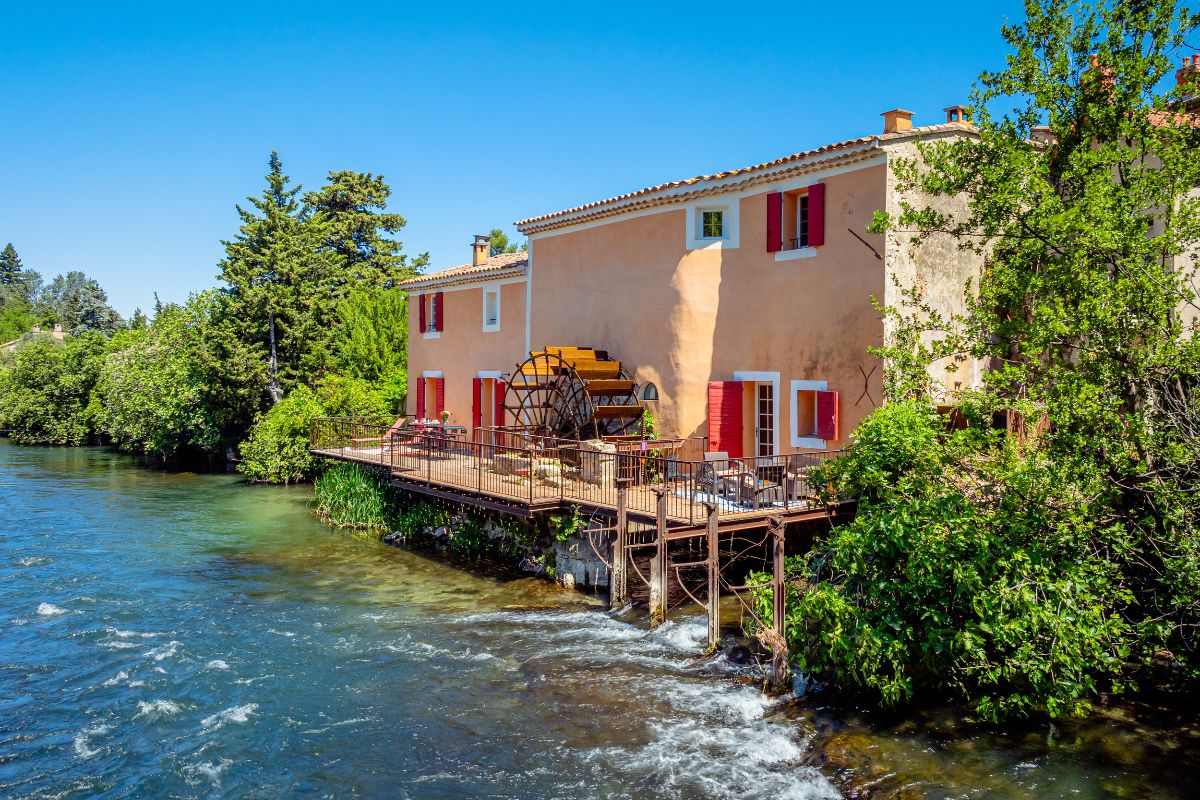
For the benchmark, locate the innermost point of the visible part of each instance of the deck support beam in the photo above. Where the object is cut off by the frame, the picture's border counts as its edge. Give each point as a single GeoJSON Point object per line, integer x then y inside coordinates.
{"type": "Point", "coordinates": [618, 594]}
{"type": "Point", "coordinates": [780, 674]}
{"type": "Point", "coordinates": [659, 566]}
{"type": "Point", "coordinates": [714, 580]}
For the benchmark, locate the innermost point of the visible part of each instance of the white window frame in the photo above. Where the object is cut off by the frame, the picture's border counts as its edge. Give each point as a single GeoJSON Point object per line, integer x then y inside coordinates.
{"type": "Point", "coordinates": [491, 292]}
{"type": "Point", "coordinates": [811, 441]}
{"type": "Point", "coordinates": [694, 218]}
{"type": "Point", "coordinates": [431, 332]}
{"type": "Point", "coordinates": [773, 379]}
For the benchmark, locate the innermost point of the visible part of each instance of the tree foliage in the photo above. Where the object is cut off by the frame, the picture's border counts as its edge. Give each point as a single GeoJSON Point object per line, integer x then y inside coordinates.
{"type": "Point", "coordinates": [297, 257]}
{"type": "Point", "coordinates": [499, 243]}
{"type": "Point", "coordinates": [185, 384]}
{"type": "Point", "coordinates": [276, 451]}
{"type": "Point", "coordinates": [80, 305]}
{"type": "Point", "coordinates": [371, 341]}
{"type": "Point", "coordinates": [10, 265]}
{"type": "Point", "coordinates": [46, 390]}
{"type": "Point", "coordinates": [1032, 573]}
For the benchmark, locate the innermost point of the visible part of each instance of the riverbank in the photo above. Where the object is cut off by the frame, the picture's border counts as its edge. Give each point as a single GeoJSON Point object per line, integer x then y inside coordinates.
{"type": "Point", "coordinates": [196, 635]}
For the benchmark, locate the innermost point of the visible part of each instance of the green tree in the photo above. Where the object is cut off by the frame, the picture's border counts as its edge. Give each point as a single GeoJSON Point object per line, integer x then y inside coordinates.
{"type": "Point", "coordinates": [80, 305]}
{"type": "Point", "coordinates": [372, 340]}
{"type": "Point", "coordinates": [184, 385]}
{"type": "Point", "coordinates": [500, 244]}
{"type": "Point", "coordinates": [1021, 574]}
{"type": "Point", "coordinates": [46, 391]}
{"type": "Point", "coordinates": [354, 203]}
{"type": "Point", "coordinates": [10, 265]}
{"type": "Point", "coordinates": [294, 260]}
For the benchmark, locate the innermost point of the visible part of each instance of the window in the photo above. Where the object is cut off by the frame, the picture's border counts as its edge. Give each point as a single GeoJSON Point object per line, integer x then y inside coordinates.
{"type": "Point", "coordinates": [712, 224]}
{"type": "Point", "coordinates": [764, 426]}
{"type": "Point", "coordinates": [814, 414]}
{"type": "Point", "coordinates": [649, 392]}
{"type": "Point", "coordinates": [491, 309]}
{"type": "Point", "coordinates": [435, 313]}
{"type": "Point", "coordinates": [806, 413]}
{"type": "Point", "coordinates": [802, 221]}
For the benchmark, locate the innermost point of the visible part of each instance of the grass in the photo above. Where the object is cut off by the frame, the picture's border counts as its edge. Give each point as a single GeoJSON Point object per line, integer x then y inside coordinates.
{"type": "Point", "coordinates": [352, 496]}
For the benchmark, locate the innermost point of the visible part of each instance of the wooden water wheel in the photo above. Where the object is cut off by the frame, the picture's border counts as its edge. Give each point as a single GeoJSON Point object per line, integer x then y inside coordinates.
{"type": "Point", "coordinates": [573, 393]}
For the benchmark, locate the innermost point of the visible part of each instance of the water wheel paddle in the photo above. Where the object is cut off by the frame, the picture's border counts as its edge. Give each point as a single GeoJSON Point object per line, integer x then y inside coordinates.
{"type": "Point", "coordinates": [573, 393]}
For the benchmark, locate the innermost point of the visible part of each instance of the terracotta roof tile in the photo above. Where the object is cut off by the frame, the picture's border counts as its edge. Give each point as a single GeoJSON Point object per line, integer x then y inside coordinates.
{"type": "Point", "coordinates": [621, 201]}
{"type": "Point", "coordinates": [691, 181]}
{"type": "Point", "coordinates": [496, 265]}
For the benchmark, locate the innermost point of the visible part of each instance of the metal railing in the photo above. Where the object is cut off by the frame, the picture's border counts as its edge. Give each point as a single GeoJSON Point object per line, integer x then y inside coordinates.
{"type": "Point", "coordinates": [516, 465]}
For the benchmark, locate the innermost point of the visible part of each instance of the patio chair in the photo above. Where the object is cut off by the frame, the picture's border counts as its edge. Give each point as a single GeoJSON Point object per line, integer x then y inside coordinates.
{"type": "Point", "coordinates": [756, 491]}
{"type": "Point", "coordinates": [716, 472]}
{"type": "Point", "coordinates": [387, 439]}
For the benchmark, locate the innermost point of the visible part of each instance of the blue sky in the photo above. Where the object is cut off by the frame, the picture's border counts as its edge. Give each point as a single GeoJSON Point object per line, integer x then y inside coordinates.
{"type": "Point", "coordinates": [129, 130]}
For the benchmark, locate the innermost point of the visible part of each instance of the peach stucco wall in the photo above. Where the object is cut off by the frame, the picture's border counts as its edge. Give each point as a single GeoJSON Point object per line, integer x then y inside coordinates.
{"type": "Point", "coordinates": [683, 318]}
{"type": "Point", "coordinates": [463, 348]}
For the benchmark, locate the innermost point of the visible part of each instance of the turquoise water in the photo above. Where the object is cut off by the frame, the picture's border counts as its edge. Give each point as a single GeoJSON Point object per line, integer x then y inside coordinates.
{"type": "Point", "coordinates": [175, 635]}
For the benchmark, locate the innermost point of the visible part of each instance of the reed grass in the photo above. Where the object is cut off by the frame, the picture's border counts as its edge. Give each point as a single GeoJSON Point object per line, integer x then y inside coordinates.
{"type": "Point", "coordinates": [353, 496]}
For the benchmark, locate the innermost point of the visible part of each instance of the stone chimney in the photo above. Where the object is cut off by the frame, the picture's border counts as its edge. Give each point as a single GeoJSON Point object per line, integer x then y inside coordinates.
{"type": "Point", "coordinates": [897, 120]}
{"type": "Point", "coordinates": [1188, 76]}
{"type": "Point", "coordinates": [957, 114]}
{"type": "Point", "coordinates": [479, 252]}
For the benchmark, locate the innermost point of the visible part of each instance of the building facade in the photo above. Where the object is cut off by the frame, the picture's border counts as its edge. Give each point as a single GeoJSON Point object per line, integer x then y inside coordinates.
{"type": "Point", "coordinates": [740, 302]}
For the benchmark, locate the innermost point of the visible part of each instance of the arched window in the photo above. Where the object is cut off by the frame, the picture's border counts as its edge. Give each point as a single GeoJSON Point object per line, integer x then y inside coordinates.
{"type": "Point", "coordinates": [649, 392]}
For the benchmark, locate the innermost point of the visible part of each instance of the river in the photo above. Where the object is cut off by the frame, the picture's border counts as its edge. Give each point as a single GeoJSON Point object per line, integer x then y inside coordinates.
{"type": "Point", "coordinates": [180, 635]}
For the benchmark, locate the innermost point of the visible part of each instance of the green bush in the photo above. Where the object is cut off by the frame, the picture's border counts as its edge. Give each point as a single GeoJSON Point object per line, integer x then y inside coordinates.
{"type": "Point", "coordinates": [345, 396]}
{"type": "Point", "coordinates": [975, 569]}
{"type": "Point", "coordinates": [277, 448]}
{"type": "Point", "coordinates": [46, 391]}
{"type": "Point", "coordinates": [276, 451]}
{"type": "Point", "coordinates": [184, 384]}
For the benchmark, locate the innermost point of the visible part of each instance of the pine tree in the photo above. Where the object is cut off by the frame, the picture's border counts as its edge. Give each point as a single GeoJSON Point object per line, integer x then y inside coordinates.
{"type": "Point", "coordinates": [10, 265]}
{"type": "Point", "coordinates": [295, 259]}
{"type": "Point", "coordinates": [260, 267]}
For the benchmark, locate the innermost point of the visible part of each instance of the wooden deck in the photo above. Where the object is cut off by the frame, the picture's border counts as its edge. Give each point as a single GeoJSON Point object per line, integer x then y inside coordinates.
{"type": "Point", "coordinates": [525, 484]}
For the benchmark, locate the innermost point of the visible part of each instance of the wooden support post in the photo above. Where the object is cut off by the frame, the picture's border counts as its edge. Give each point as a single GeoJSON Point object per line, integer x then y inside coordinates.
{"type": "Point", "coordinates": [714, 580]}
{"type": "Point", "coordinates": [779, 652]}
{"type": "Point", "coordinates": [659, 599]}
{"type": "Point", "coordinates": [618, 594]}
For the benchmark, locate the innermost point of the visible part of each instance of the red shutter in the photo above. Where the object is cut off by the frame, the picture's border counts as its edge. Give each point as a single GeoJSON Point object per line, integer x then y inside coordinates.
{"type": "Point", "coordinates": [439, 394]}
{"type": "Point", "coordinates": [420, 298]}
{"type": "Point", "coordinates": [827, 416]}
{"type": "Point", "coordinates": [498, 419]}
{"type": "Point", "coordinates": [477, 403]}
{"type": "Point", "coordinates": [774, 222]}
{"type": "Point", "coordinates": [420, 387]}
{"type": "Point", "coordinates": [439, 316]}
{"type": "Point", "coordinates": [816, 215]}
{"type": "Point", "coordinates": [725, 418]}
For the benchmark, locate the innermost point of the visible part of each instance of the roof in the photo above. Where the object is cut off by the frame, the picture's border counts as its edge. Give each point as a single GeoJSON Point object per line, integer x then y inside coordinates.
{"type": "Point", "coordinates": [677, 191]}
{"type": "Point", "coordinates": [502, 265]}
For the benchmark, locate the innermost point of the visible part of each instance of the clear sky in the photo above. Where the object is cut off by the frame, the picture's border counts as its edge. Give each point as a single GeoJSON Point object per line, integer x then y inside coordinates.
{"type": "Point", "coordinates": [128, 130]}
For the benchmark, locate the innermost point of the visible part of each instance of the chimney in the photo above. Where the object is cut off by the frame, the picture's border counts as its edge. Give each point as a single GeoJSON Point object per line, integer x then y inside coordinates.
{"type": "Point", "coordinates": [957, 114]}
{"type": "Point", "coordinates": [1188, 76]}
{"type": "Point", "coordinates": [897, 120]}
{"type": "Point", "coordinates": [479, 253]}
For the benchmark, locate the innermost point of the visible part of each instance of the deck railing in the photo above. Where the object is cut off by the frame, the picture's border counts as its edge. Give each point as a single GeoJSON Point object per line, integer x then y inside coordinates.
{"type": "Point", "coordinates": [541, 470]}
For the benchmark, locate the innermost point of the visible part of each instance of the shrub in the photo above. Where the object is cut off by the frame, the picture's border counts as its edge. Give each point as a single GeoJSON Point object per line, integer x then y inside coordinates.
{"type": "Point", "coordinates": [975, 569]}
{"type": "Point", "coordinates": [184, 384]}
{"type": "Point", "coordinates": [46, 392]}
{"type": "Point", "coordinates": [277, 448]}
